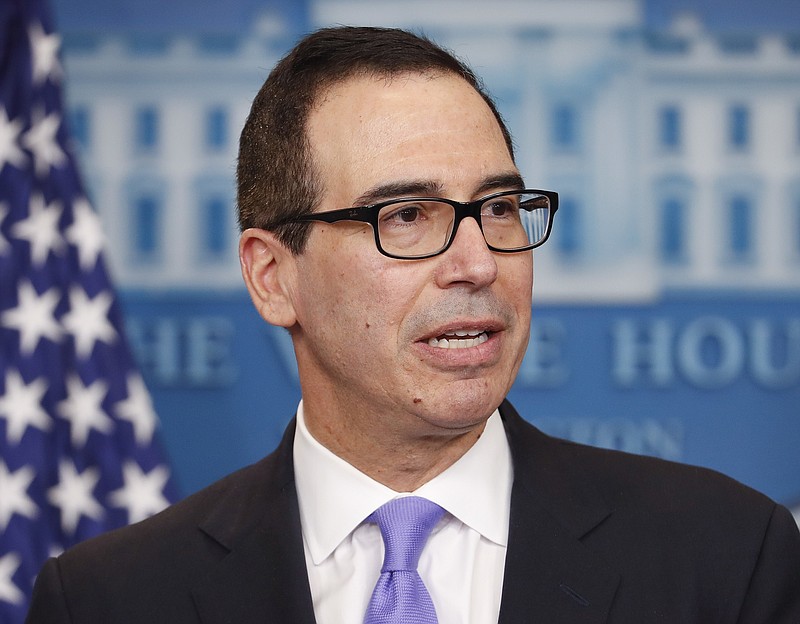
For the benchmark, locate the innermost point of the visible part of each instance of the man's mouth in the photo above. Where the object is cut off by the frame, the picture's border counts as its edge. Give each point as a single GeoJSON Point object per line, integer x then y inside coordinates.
{"type": "Point", "coordinates": [460, 339]}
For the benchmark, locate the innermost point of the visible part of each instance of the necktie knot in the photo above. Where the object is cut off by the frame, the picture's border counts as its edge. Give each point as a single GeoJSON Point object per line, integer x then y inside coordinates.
{"type": "Point", "coordinates": [405, 525]}
{"type": "Point", "coordinates": [400, 596]}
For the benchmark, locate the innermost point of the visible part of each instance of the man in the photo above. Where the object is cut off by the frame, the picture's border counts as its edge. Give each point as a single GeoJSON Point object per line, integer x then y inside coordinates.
{"type": "Point", "coordinates": [387, 228]}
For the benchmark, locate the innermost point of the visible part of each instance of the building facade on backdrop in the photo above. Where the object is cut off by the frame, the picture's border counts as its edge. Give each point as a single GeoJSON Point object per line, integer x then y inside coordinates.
{"type": "Point", "coordinates": [676, 153]}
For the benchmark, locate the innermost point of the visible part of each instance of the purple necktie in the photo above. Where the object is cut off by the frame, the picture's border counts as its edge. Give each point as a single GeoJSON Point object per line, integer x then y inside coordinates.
{"type": "Point", "coordinates": [400, 596]}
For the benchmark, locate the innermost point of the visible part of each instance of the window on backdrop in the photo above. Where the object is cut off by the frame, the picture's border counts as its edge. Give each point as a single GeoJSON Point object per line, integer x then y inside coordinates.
{"type": "Point", "coordinates": [80, 126]}
{"type": "Point", "coordinates": [565, 131]}
{"type": "Point", "coordinates": [673, 230]}
{"type": "Point", "coordinates": [739, 127]}
{"type": "Point", "coordinates": [146, 128]}
{"type": "Point", "coordinates": [216, 128]}
{"type": "Point", "coordinates": [568, 232]}
{"type": "Point", "coordinates": [216, 225]}
{"type": "Point", "coordinates": [741, 226]}
{"type": "Point", "coordinates": [670, 128]}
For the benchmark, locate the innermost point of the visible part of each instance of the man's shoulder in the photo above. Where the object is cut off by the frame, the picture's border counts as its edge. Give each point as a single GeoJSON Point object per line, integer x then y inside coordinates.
{"type": "Point", "coordinates": [721, 546]}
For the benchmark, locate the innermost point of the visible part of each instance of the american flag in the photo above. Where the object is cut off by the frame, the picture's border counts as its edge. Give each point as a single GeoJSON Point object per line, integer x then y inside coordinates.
{"type": "Point", "coordinates": [78, 454]}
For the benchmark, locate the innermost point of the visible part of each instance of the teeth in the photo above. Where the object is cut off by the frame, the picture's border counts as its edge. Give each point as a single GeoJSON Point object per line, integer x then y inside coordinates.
{"type": "Point", "coordinates": [474, 339]}
{"type": "Point", "coordinates": [464, 332]}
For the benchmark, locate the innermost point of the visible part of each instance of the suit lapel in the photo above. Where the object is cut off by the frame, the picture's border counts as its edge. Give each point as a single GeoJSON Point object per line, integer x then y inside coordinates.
{"type": "Point", "coordinates": [550, 576]}
{"type": "Point", "coordinates": [263, 577]}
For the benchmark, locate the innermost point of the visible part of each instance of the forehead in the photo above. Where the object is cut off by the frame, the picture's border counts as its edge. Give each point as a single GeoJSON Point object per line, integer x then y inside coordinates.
{"type": "Point", "coordinates": [370, 130]}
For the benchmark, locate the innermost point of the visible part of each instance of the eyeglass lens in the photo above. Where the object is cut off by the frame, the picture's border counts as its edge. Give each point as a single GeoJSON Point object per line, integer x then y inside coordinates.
{"type": "Point", "coordinates": [417, 228]}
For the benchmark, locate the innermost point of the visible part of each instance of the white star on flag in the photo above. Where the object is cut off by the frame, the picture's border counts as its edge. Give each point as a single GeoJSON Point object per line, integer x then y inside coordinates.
{"type": "Point", "coordinates": [4, 245]}
{"type": "Point", "coordinates": [142, 493]}
{"type": "Point", "coordinates": [138, 410]}
{"type": "Point", "coordinates": [41, 140]}
{"type": "Point", "coordinates": [40, 229]}
{"type": "Point", "coordinates": [14, 498]}
{"type": "Point", "coordinates": [34, 316]}
{"type": "Point", "coordinates": [83, 409]}
{"type": "Point", "coordinates": [86, 234]}
{"type": "Point", "coordinates": [87, 320]}
{"type": "Point", "coordinates": [44, 48]}
{"type": "Point", "coordinates": [73, 495]}
{"type": "Point", "coordinates": [8, 591]}
{"type": "Point", "coordinates": [21, 406]}
{"type": "Point", "coordinates": [10, 151]}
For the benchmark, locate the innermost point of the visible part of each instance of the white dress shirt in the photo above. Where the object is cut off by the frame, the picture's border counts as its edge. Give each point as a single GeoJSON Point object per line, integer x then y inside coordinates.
{"type": "Point", "coordinates": [463, 561]}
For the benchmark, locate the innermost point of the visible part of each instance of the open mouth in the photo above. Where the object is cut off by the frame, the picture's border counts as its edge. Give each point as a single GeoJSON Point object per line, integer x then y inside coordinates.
{"type": "Point", "coordinates": [461, 339]}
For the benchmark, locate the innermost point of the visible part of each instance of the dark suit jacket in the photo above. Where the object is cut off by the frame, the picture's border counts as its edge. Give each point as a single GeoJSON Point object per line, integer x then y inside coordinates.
{"type": "Point", "coordinates": [595, 536]}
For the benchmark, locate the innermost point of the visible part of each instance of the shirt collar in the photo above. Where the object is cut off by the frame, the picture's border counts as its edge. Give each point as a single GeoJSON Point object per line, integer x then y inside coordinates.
{"type": "Point", "coordinates": [335, 497]}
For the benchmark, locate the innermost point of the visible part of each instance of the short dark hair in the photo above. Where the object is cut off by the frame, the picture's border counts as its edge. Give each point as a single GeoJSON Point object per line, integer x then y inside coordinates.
{"type": "Point", "coordinates": [275, 176]}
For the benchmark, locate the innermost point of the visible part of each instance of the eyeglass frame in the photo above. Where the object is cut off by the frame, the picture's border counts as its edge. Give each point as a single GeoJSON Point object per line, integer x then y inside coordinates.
{"type": "Point", "coordinates": [462, 210]}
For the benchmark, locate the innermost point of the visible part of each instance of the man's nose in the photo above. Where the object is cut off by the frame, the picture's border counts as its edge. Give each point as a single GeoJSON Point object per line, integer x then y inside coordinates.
{"type": "Point", "coordinates": [468, 260]}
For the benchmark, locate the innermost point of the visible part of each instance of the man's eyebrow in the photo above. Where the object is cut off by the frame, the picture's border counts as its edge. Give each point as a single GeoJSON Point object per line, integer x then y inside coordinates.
{"type": "Point", "coordinates": [430, 188]}
{"type": "Point", "coordinates": [507, 181]}
{"type": "Point", "coordinates": [403, 188]}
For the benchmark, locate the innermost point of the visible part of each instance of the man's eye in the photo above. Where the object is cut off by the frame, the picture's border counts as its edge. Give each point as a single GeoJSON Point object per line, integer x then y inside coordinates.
{"type": "Point", "coordinates": [408, 214]}
{"type": "Point", "coordinates": [499, 208]}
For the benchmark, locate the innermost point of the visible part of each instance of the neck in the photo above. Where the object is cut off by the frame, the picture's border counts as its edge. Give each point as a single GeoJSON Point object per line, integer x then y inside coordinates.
{"type": "Point", "coordinates": [400, 460]}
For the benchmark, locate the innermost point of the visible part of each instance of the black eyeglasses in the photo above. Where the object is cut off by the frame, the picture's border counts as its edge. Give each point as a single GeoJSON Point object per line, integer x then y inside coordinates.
{"type": "Point", "coordinates": [412, 228]}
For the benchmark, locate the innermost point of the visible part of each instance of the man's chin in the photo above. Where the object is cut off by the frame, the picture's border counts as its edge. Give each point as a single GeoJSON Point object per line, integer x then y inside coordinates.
{"type": "Point", "coordinates": [458, 411]}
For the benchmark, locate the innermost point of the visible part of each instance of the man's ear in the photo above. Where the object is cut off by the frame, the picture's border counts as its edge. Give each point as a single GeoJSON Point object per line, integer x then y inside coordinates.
{"type": "Point", "coordinates": [268, 268]}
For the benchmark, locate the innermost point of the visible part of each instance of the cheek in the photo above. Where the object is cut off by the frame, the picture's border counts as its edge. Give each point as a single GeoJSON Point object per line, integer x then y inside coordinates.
{"type": "Point", "coordinates": [517, 280]}
{"type": "Point", "coordinates": [385, 301]}
{"type": "Point", "coordinates": [386, 296]}
{"type": "Point", "coordinates": [352, 292]}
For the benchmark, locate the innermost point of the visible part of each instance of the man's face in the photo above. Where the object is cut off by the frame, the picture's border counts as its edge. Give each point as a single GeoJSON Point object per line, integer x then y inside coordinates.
{"type": "Point", "coordinates": [366, 325]}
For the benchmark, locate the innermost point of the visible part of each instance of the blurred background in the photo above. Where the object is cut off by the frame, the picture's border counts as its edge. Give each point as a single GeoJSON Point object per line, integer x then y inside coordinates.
{"type": "Point", "coordinates": [667, 303]}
